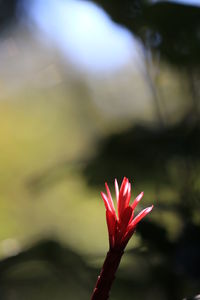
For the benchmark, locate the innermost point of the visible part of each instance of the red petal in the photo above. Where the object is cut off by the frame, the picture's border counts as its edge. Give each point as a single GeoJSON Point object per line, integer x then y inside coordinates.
{"type": "Point", "coordinates": [126, 186]}
{"type": "Point", "coordinates": [140, 216]}
{"type": "Point", "coordinates": [137, 200]}
{"type": "Point", "coordinates": [128, 194]}
{"type": "Point", "coordinates": [123, 197]}
{"type": "Point", "coordinates": [125, 218]}
{"type": "Point", "coordinates": [123, 184]}
{"type": "Point", "coordinates": [106, 202]}
{"type": "Point", "coordinates": [116, 190]}
{"type": "Point", "coordinates": [111, 221]}
{"type": "Point", "coordinates": [109, 197]}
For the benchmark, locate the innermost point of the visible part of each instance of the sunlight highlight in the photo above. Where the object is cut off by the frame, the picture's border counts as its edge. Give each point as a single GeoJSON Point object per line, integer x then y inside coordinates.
{"type": "Point", "coordinates": [84, 33]}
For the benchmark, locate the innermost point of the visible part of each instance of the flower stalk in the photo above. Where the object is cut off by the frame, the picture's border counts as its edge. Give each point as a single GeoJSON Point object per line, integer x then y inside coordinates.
{"type": "Point", "coordinates": [107, 275]}
{"type": "Point", "coordinates": [121, 227]}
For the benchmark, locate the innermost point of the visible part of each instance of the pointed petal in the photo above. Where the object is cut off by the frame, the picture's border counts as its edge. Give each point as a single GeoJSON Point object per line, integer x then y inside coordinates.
{"type": "Point", "coordinates": [126, 186]}
{"type": "Point", "coordinates": [106, 202]}
{"type": "Point", "coordinates": [125, 218]}
{"type": "Point", "coordinates": [140, 216]}
{"type": "Point", "coordinates": [123, 184]}
{"type": "Point", "coordinates": [122, 197]}
{"type": "Point", "coordinates": [137, 200]}
{"type": "Point", "coordinates": [110, 197]}
{"type": "Point", "coordinates": [111, 222]}
{"type": "Point", "coordinates": [128, 194]}
{"type": "Point", "coordinates": [116, 190]}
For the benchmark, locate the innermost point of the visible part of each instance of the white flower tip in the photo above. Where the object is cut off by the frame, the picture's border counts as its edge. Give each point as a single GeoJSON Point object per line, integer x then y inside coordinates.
{"type": "Point", "coordinates": [149, 209]}
{"type": "Point", "coordinates": [126, 188]}
{"type": "Point", "coordinates": [116, 188]}
{"type": "Point", "coordinates": [139, 197]}
{"type": "Point", "coordinates": [129, 187]}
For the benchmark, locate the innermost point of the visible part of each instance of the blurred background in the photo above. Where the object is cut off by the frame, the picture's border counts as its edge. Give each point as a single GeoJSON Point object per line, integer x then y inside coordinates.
{"type": "Point", "coordinates": [91, 91]}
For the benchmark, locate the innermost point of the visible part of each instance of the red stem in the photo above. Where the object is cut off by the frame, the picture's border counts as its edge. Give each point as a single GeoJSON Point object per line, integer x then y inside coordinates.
{"type": "Point", "coordinates": [107, 275]}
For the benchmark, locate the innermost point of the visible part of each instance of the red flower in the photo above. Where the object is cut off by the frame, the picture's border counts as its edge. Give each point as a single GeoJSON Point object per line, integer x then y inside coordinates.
{"type": "Point", "coordinates": [122, 226]}
{"type": "Point", "coordinates": [120, 229]}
